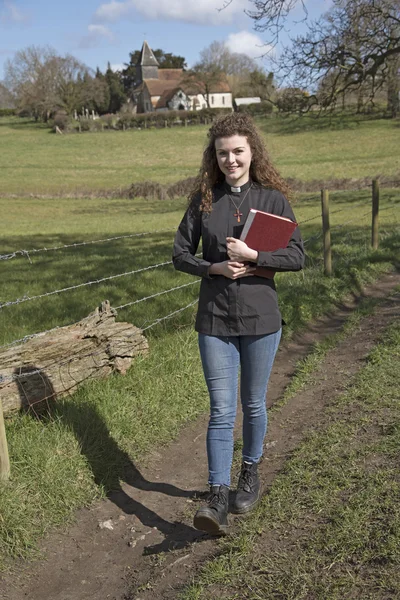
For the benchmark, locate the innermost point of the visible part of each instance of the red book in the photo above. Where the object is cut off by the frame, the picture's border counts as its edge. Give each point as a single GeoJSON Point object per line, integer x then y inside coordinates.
{"type": "Point", "coordinates": [266, 232]}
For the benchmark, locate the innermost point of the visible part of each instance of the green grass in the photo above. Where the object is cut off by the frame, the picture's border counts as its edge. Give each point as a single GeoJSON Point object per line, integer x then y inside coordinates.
{"type": "Point", "coordinates": [307, 366]}
{"type": "Point", "coordinates": [330, 526]}
{"type": "Point", "coordinates": [85, 446]}
{"type": "Point", "coordinates": [53, 473]}
{"type": "Point", "coordinates": [39, 162]}
{"type": "Point", "coordinates": [47, 223]}
{"type": "Point", "coordinates": [58, 464]}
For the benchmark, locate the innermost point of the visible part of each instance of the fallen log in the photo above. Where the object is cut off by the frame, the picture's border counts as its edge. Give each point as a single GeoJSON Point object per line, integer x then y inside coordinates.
{"type": "Point", "coordinates": [55, 363]}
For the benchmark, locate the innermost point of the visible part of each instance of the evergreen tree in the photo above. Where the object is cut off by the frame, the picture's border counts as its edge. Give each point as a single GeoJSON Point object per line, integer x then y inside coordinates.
{"type": "Point", "coordinates": [116, 90]}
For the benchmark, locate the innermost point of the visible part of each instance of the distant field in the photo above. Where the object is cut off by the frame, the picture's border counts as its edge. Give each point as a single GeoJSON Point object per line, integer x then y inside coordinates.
{"type": "Point", "coordinates": [35, 161]}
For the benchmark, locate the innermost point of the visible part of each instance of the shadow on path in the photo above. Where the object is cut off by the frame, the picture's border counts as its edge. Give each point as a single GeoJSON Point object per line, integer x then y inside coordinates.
{"type": "Point", "coordinates": [110, 464]}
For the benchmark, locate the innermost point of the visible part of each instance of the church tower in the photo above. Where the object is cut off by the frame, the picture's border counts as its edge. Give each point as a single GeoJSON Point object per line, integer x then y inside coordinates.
{"type": "Point", "coordinates": [147, 65]}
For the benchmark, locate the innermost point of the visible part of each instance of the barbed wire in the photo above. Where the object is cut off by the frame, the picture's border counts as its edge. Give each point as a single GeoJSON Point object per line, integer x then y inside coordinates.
{"type": "Point", "coordinates": [157, 294]}
{"type": "Point", "coordinates": [310, 219]}
{"type": "Point", "coordinates": [122, 306]}
{"type": "Point", "coordinates": [334, 212]}
{"type": "Point", "coordinates": [80, 285]}
{"type": "Point", "coordinates": [313, 237]}
{"type": "Point", "coordinates": [14, 377]}
{"type": "Point", "coordinates": [18, 253]}
{"type": "Point", "coordinates": [27, 253]}
{"type": "Point", "coordinates": [27, 298]}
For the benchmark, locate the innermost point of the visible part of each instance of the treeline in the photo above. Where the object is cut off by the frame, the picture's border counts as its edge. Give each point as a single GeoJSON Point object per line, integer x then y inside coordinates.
{"type": "Point", "coordinates": [351, 53]}
{"type": "Point", "coordinates": [350, 56]}
{"type": "Point", "coordinates": [41, 84]}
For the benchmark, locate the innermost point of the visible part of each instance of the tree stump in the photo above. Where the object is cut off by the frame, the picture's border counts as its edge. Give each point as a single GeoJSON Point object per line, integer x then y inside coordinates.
{"type": "Point", "coordinates": [54, 364]}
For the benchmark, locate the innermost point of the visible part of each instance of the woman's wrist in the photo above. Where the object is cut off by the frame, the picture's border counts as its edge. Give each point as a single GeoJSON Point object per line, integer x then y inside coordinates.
{"type": "Point", "coordinates": [213, 269]}
{"type": "Point", "coordinates": [253, 255]}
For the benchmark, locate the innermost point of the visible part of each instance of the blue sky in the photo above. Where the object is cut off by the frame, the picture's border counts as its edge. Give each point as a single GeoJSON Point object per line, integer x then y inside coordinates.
{"type": "Point", "coordinates": [96, 31]}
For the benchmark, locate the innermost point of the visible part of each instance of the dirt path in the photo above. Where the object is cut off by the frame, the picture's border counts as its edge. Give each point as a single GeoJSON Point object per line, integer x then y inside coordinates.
{"type": "Point", "coordinates": [151, 548]}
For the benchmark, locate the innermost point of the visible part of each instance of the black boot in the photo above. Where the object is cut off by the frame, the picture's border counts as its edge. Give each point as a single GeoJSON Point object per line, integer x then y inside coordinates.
{"type": "Point", "coordinates": [213, 517]}
{"type": "Point", "coordinates": [248, 490]}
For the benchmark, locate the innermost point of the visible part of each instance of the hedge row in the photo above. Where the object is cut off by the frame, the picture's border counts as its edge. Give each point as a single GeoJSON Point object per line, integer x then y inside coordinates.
{"type": "Point", "coordinates": [259, 108]}
{"type": "Point", "coordinates": [126, 121]}
{"type": "Point", "coordinates": [7, 112]}
{"type": "Point", "coordinates": [169, 118]}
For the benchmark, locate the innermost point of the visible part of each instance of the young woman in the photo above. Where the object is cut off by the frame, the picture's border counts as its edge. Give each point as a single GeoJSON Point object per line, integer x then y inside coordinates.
{"type": "Point", "coordinates": [238, 319]}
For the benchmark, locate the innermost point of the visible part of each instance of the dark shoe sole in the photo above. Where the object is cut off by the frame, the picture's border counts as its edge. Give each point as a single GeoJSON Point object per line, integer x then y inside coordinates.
{"type": "Point", "coordinates": [202, 522]}
{"type": "Point", "coordinates": [245, 509]}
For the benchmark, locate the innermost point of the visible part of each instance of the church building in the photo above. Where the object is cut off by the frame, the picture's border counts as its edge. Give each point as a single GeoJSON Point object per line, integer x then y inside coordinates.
{"type": "Point", "coordinates": [170, 89]}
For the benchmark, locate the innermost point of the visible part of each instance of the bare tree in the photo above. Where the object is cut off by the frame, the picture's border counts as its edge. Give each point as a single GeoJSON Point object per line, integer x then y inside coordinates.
{"type": "Point", "coordinates": [218, 56]}
{"type": "Point", "coordinates": [25, 77]}
{"type": "Point", "coordinates": [271, 15]}
{"type": "Point", "coordinates": [7, 100]}
{"type": "Point", "coordinates": [200, 81]}
{"type": "Point", "coordinates": [43, 82]}
{"type": "Point", "coordinates": [352, 48]}
{"type": "Point", "coordinates": [217, 64]}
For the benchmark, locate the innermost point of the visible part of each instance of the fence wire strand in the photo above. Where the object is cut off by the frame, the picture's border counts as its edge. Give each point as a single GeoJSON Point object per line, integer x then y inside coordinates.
{"type": "Point", "coordinates": [27, 298]}
{"type": "Point", "coordinates": [80, 285]}
{"type": "Point", "coordinates": [157, 294]}
{"type": "Point", "coordinates": [122, 306]}
{"type": "Point", "coordinates": [27, 253]}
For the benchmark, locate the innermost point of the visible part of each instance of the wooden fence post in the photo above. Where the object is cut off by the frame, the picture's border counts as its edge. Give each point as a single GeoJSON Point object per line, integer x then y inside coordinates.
{"type": "Point", "coordinates": [375, 214]}
{"type": "Point", "coordinates": [4, 459]}
{"type": "Point", "coordinates": [326, 232]}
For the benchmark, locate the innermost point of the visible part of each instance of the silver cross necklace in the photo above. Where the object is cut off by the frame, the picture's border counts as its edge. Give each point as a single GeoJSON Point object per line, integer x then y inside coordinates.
{"type": "Point", "coordinates": [238, 214]}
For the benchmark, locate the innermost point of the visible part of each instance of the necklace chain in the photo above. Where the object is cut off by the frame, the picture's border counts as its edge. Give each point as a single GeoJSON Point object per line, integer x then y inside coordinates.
{"type": "Point", "coordinates": [237, 213]}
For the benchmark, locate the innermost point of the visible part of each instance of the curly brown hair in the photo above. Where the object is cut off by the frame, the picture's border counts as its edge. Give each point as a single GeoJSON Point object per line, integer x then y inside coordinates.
{"type": "Point", "coordinates": [261, 169]}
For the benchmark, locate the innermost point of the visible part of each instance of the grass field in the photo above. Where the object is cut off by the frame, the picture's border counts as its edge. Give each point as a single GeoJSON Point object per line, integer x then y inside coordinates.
{"type": "Point", "coordinates": [50, 476]}
{"type": "Point", "coordinates": [38, 161]}
{"type": "Point", "coordinates": [35, 224]}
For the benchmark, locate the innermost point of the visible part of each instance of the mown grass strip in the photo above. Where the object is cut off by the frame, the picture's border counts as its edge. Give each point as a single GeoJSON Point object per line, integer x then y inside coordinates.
{"type": "Point", "coordinates": [38, 161]}
{"type": "Point", "coordinates": [330, 526]}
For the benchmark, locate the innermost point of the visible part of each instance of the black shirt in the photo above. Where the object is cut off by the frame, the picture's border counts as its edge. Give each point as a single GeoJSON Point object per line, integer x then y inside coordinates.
{"type": "Point", "coordinates": [248, 305]}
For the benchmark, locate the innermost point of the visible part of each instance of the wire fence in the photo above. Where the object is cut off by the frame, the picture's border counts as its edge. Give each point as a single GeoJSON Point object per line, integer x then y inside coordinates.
{"type": "Point", "coordinates": [27, 253]}
{"type": "Point", "coordinates": [91, 354]}
{"type": "Point", "coordinates": [67, 369]}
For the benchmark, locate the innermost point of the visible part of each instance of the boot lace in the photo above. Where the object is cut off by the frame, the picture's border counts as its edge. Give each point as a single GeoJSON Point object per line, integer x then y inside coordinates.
{"type": "Point", "coordinates": [216, 498]}
{"type": "Point", "coordinates": [246, 479]}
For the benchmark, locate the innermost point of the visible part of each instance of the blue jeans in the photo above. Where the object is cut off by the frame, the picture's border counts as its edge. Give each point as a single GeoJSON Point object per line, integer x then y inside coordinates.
{"type": "Point", "coordinates": [221, 358]}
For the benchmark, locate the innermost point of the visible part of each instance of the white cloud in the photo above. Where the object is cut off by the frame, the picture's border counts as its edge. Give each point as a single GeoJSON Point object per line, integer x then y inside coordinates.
{"type": "Point", "coordinates": [207, 12]}
{"type": "Point", "coordinates": [118, 67]}
{"type": "Point", "coordinates": [100, 31]}
{"type": "Point", "coordinates": [96, 34]}
{"type": "Point", "coordinates": [10, 13]}
{"type": "Point", "coordinates": [245, 42]}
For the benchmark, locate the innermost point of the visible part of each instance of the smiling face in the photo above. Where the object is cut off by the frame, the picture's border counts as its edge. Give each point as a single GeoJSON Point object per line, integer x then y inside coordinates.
{"type": "Point", "coordinates": [234, 158]}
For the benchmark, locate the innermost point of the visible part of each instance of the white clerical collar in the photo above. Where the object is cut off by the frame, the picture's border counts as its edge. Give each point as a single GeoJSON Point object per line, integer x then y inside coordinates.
{"type": "Point", "coordinates": [237, 189]}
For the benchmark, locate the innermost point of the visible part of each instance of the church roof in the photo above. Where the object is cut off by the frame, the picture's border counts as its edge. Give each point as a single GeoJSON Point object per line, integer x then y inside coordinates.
{"type": "Point", "coordinates": [167, 96]}
{"type": "Point", "coordinates": [147, 58]}
{"type": "Point", "coordinates": [170, 74]}
{"type": "Point", "coordinates": [157, 87]}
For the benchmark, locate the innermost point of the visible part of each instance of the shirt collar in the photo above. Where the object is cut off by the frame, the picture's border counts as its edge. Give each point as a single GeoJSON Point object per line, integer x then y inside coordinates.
{"type": "Point", "coordinates": [236, 190]}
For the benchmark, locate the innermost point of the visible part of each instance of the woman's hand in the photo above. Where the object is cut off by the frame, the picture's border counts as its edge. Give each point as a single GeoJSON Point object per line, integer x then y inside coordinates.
{"type": "Point", "coordinates": [231, 269]}
{"type": "Point", "coordinates": [239, 251]}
